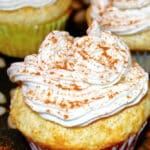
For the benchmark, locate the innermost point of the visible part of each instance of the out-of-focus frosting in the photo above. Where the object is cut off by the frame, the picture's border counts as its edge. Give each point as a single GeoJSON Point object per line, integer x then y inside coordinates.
{"type": "Point", "coordinates": [122, 16]}
{"type": "Point", "coordinates": [16, 4]}
{"type": "Point", "coordinates": [74, 81]}
{"type": "Point", "coordinates": [124, 4]}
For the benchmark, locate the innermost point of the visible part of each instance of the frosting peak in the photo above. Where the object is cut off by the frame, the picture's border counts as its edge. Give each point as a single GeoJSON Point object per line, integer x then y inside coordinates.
{"type": "Point", "coordinates": [74, 81]}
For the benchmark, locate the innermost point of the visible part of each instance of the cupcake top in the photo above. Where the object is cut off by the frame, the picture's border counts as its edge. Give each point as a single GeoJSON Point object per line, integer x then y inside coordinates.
{"type": "Point", "coordinates": [122, 16]}
{"type": "Point", "coordinates": [126, 4]}
{"type": "Point", "coordinates": [16, 4]}
{"type": "Point", "coordinates": [75, 81]}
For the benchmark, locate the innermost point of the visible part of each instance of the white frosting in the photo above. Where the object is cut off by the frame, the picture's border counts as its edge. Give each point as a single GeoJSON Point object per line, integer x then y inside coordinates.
{"type": "Point", "coordinates": [122, 17]}
{"type": "Point", "coordinates": [16, 4]}
{"type": "Point", "coordinates": [74, 81]}
{"type": "Point", "coordinates": [126, 4]}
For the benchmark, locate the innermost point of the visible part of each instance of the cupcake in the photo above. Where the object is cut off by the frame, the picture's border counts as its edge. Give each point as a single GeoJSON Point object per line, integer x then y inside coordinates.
{"type": "Point", "coordinates": [80, 93]}
{"type": "Point", "coordinates": [24, 24]}
{"type": "Point", "coordinates": [130, 19]}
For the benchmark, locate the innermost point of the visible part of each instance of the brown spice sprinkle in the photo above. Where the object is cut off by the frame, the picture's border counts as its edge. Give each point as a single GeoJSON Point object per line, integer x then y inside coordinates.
{"type": "Point", "coordinates": [73, 104]}
{"type": "Point", "coordinates": [46, 44]}
{"type": "Point", "coordinates": [48, 111]}
{"type": "Point", "coordinates": [84, 55]}
{"type": "Point", "coordinates": [47, 101]}
{"type": "Point", "coordinates": [38, 73]}
{"type": "Point", "coordinates": [62, 65]}
{"type": "Point", "coordinates": [54, 39]}
{"type": "Point", "coordinates": [76, 87]}
{"type": "Point", "coordinates": [48, 94]}
{"type": "Point", "coordinates": [30, 92]}
{"type": "Point", "coordinates": [51, 72]}
{"type": "Point", "coordinates": [71, 87]}
{"type": "Point", "coordinates": [128, 96]}
{"type": "Point", "coordinates": [111, 96]}
{"type": "Point", "coordinates": [66, 117]}
{"type": "Point", "coordinates": [24, 70]}
{"type": "Point", "coordinates": [63, 104]}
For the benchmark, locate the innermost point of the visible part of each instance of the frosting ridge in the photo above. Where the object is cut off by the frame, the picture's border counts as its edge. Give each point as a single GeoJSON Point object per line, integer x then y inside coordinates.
{"type": "Point", "coordinates": [74, 81]}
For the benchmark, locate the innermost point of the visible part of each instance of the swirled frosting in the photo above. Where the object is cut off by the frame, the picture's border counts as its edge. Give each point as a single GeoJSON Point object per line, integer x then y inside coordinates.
{"type": "Point", "coordinates": [16, 4]}
{"type": "Point", "coordinates": [75, 81]}
{"type": "Point", "coordinates": [122, 16]}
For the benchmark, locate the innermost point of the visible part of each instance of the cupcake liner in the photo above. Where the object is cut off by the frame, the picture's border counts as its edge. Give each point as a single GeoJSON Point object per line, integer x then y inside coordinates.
{"type": "Point", "coordinates": [34, 147]}
{"type": "Point", "coordinates": [129, 144]}
{"type": "Point", "coordinates": [143, 58]}
{"type": "Point", "coordinates": [21, 40]}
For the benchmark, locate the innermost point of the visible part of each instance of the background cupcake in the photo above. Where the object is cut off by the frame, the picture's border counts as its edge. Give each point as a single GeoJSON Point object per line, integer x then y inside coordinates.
{"type": "Point", "coordinates": [24, 24]}
{"type": "Point", "coordinates": [80, 93]}
{"type": "Point", "coordinates": [130, 19]}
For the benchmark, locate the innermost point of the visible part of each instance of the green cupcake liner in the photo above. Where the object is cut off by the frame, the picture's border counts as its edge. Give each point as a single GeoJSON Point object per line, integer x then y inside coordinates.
{"type": "Point", "coordinates": [21, 40]}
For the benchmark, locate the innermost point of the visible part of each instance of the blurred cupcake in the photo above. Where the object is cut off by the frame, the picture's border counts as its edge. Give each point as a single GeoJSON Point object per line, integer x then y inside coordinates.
{"type": "Point", "coordinates": [24, 24]}
{"type": "Point", "coordinates": [130, 19]}
{"type": "Point", "coordinates": [80, 93]}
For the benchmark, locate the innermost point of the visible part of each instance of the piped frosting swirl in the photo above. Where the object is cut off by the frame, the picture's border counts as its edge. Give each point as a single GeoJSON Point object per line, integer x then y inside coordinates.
{"type": "Point", "coordinates": [75, 81]}
{"type": "Point", "coordinates": [13, 5]}
{"type": "Point", "coordinates": [122, 16]}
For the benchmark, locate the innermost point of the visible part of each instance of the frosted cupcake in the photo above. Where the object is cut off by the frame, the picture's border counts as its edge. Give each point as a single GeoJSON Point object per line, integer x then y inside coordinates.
{"type": "Point", "coordinates": [80, 93]}
{"type": "Point", "coordinates": [130, 19]}
{"type": "Point", "coordinates": [24, 24]}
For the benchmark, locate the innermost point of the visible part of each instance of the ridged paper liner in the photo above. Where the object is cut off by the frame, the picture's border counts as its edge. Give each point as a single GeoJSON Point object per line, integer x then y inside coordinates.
{"type": "Point", "coordinates": [21, 40]}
